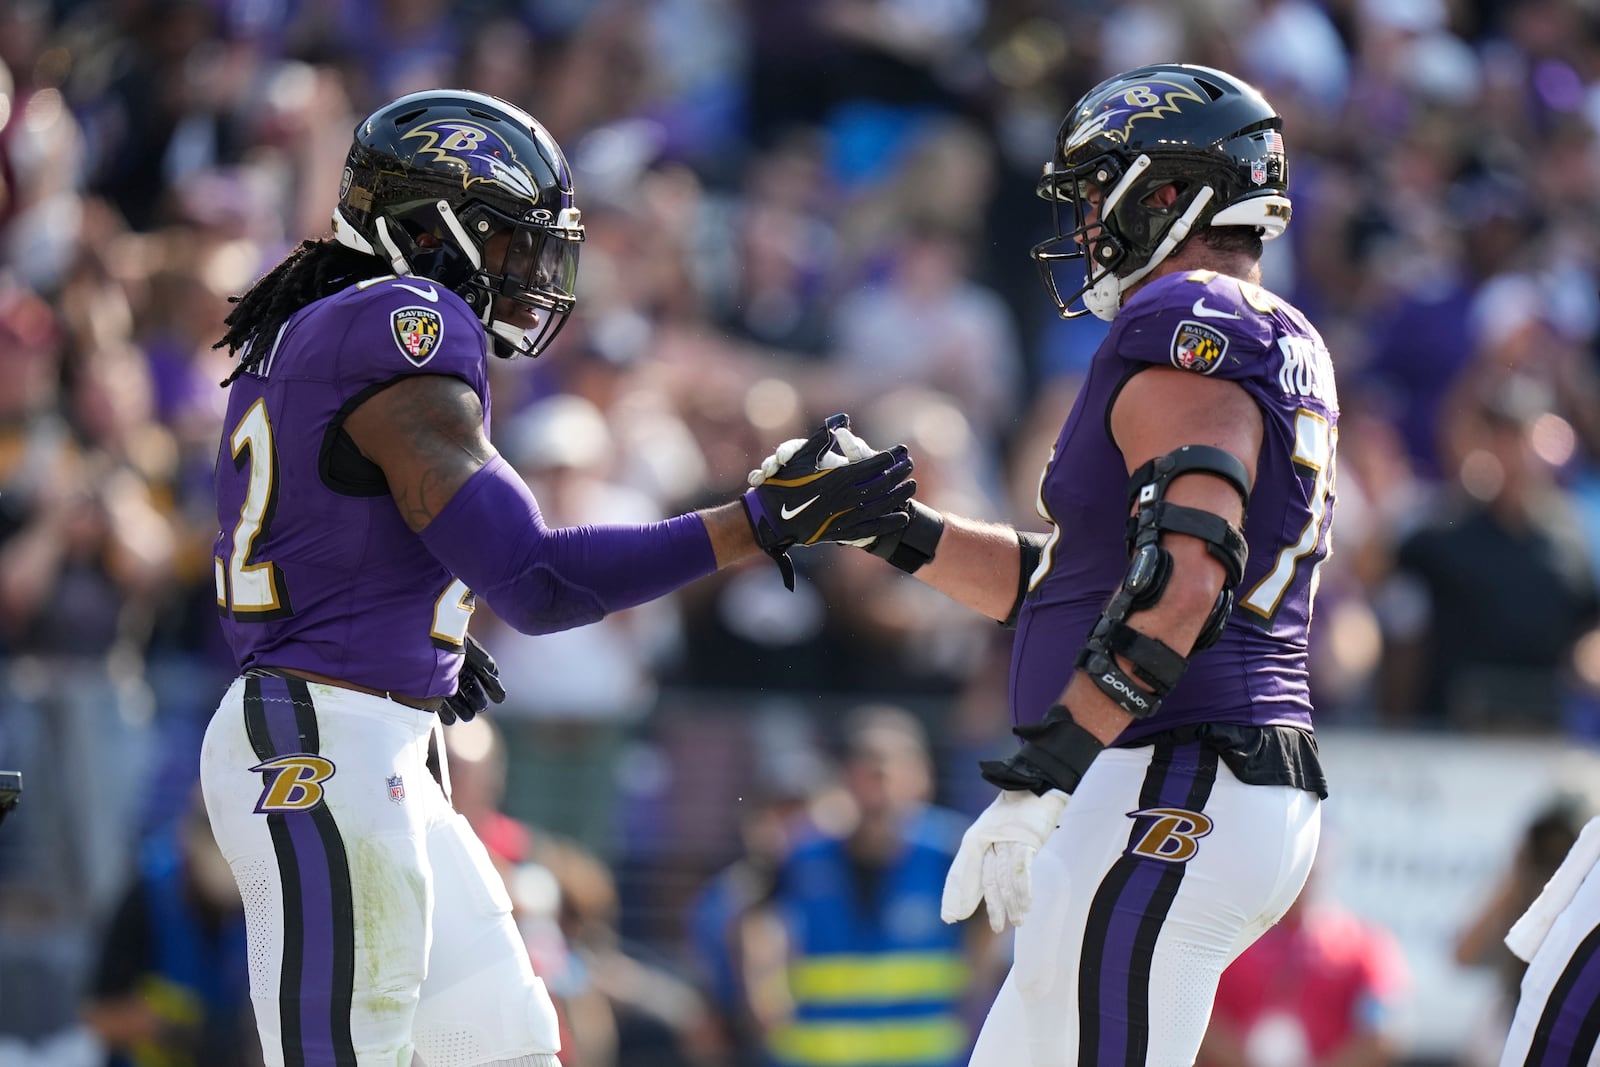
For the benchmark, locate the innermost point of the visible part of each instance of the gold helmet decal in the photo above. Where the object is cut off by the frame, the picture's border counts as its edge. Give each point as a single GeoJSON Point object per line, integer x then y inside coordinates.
{"type": "Point", "coordinates": [481, 153]}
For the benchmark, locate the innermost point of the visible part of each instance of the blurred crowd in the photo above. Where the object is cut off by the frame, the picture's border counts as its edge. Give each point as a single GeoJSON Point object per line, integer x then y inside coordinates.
{"type": "Point", "coordinates": [792, 209]}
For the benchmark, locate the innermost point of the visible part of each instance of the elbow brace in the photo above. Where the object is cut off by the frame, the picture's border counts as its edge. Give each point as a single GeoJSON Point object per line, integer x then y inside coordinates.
{"type": "Point", "coordinates": [1155, 663]}
{"type": "Point", "coordinates": [540, 580]}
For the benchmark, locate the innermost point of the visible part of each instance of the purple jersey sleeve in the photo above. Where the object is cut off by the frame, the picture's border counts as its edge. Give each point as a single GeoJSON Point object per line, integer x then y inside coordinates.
{"type": "Point", "coordinates": [1200, 322]}
{"type": "Point", "coordinates": [541, 580]}
{"type": "Point", "coordinates": [1217, 326]}
{"type": "Point", "coordinates": [394, 327]}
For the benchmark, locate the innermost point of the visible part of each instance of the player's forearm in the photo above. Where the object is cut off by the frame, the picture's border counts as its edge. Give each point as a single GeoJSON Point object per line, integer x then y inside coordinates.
{"type": "Point", "coordinates": [1175, 620]}
{"type": "Point", "coordinates": [976, 564]}
{"type": "Point", "coordinates": [540, 580]}
{"type": "Point", "coordinates": [731, 537]}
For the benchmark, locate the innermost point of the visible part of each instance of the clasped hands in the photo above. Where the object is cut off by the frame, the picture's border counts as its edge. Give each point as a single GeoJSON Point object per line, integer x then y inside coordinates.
{"type": "Point", "coordinates": [830, 486]}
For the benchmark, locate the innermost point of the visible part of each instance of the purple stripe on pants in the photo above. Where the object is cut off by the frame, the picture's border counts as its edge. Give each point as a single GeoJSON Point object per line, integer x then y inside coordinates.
{"type": "Point", "coordinates": [1575, 1008]}
{"type": "Point", "coordinates": [1118, 951]}
{"type": "Point", "coordinates": [312, 986]}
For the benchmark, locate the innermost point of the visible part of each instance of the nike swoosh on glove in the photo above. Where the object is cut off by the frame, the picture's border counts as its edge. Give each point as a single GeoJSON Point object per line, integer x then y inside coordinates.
{"type": "Point", "coordinates": [995, 861]}
{"type": "Point", "coordinates": [816, 495]}
{"type": "Point", "coordinates": [476, 688]}
{"type": "Point", "coordinates": [847, 448]}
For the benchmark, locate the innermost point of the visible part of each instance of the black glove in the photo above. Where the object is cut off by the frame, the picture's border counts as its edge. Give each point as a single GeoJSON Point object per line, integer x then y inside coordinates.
{"type": "Point", "coordinates": [810, 499]}
{"type": "Point", "coordinates": [476, 688]}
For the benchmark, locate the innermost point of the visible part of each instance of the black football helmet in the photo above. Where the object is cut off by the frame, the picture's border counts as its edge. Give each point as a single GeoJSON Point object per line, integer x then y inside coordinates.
{"type": "Point", "coordinates": [1212, 136]}
{"type": "Point", "coordinates": [465, 169]}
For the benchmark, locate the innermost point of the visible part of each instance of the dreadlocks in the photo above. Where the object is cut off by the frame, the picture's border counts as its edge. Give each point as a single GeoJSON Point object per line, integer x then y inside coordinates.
{"type": "Point", "coordinates": [312, 271]}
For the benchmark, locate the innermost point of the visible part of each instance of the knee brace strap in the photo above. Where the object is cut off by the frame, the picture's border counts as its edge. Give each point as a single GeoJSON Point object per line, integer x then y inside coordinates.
{"type": "Point", "coordinates": [1223, 541]}
{"type": "Point", "coordinates": [1155, 662]}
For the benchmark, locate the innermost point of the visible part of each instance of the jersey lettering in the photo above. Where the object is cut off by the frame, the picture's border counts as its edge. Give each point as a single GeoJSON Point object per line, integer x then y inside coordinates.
{"type": "Point", "coordinates": [451, 614]}
{"type": "Point", "coordinates": [1048, 554]}
{"type": "Point", "coordinates": [1307, 370]}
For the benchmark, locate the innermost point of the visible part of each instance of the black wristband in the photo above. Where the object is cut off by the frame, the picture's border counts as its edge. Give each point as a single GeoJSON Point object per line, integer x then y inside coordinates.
{"type": "Point", "coordinates": [1056, 755]}
{"type": "Point", "coordinates": [913, 546]}
{"type": "Point", "coordinates": [1031, 546]}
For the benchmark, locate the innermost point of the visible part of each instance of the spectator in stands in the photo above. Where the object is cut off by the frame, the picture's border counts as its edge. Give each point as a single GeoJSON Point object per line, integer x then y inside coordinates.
{"type": "Point", "coordinates": [849, 961]}
{"type": "Point", "coordinates": [1500, 582]}
{"type": "Point", "coordinates": [790, 796]}
{"type": "Point", "coordinates": [173, 985]}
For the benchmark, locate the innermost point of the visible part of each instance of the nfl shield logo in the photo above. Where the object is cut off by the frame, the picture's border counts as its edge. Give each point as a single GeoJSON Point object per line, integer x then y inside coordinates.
{"type": "Point", "coordinates": [397, 788]}
{"type": "Point", "coordinates": [417, 332]}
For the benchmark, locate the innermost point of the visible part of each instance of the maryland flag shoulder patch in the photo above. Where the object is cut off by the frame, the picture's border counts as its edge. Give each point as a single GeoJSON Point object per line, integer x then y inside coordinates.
{"type": "Point", "coordinates": [1198, 347]}
{"type": "Point", "coordinates": [417, 332]}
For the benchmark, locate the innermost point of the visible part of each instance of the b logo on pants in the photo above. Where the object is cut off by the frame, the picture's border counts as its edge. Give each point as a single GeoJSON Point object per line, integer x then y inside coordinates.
{"type": "Point", "coordinates": [1173, 835]}
{"type": "Point", "coordinates": [294, 783]}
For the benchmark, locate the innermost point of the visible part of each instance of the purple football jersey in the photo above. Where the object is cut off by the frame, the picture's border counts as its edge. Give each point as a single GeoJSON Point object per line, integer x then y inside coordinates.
{"type": "Point", "coordinates": [315, 568]}
{"type": "Point", "coordinates": [1257, 672]}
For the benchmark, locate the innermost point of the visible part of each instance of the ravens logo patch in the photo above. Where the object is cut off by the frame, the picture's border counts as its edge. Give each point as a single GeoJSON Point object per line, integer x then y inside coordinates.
{"type": "Point", "coordinates": [417, 332]}
{"type": "Point", "coordinates": [1198, 347]}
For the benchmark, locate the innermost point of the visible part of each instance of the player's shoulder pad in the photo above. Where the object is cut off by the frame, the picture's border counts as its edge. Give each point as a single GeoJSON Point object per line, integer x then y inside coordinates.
{"type": "Point", "coordinates": [1200, 321]}
{"type": "Point", "coordinates": [408, 325]}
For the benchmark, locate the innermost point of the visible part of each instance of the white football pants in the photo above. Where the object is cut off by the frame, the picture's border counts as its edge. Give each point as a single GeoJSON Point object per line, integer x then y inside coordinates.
{"type": "Point", "coordinates": [1164, 868]}
{"type": "Point", "coordinates": [377, 925]}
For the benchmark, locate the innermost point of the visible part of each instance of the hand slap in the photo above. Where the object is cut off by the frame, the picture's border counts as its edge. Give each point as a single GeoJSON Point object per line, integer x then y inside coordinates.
{"type": "Point", "coordinates": [808, 492]}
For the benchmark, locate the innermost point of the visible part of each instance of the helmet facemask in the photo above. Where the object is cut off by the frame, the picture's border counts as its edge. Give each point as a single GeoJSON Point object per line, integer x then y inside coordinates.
{"type": "Point", "coordinates": [1129, 234]}
{"type": "Point", "coordinates": [496, 263]}
{"type": "Point", "coordinates": [523, 283]}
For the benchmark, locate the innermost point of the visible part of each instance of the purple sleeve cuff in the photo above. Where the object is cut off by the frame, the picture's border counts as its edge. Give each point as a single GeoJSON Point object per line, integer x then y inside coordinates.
{"type": "Point", "coordinates": [541, 580]}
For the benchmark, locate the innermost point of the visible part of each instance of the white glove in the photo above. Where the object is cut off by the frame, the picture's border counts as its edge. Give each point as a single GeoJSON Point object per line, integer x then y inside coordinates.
{"type": "Point", "coordinates": [995, 861]}
{"type": "Point", "coordinates": [852, 449]}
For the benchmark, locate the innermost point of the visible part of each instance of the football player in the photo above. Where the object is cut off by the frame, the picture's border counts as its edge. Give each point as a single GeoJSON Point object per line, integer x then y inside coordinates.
{"type": "Point", "coordinates": [1158, 677]}
{"type": "Point", "coordinates": [363, 510]}
{"type": "Point", "coordinates": [1557, 1020]}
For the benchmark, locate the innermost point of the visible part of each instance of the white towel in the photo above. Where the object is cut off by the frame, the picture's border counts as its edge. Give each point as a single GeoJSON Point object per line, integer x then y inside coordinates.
{"type": "Point", "coordinates": [1529, 932]}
